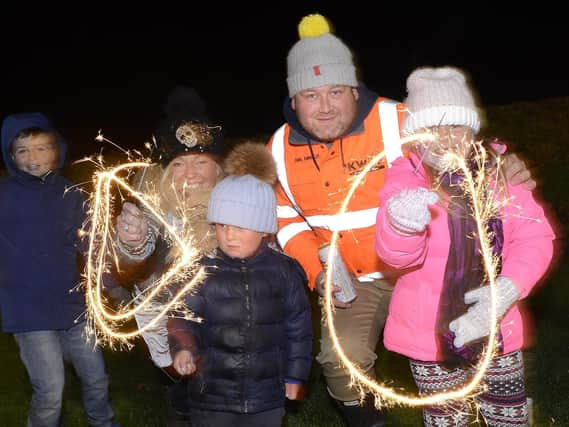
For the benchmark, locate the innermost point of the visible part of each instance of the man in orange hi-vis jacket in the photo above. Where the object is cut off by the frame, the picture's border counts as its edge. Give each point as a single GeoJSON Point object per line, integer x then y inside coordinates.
{"type": "Point", "coordinates": [334, 127]}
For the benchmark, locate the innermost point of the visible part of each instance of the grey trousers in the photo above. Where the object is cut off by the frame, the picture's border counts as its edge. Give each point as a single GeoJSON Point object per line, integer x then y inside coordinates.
{"type": "Point", "coordinates": [359, 329]}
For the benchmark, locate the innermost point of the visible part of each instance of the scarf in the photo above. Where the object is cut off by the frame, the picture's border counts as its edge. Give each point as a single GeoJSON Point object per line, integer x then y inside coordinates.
{"type": "Point", "coordinates": [464, 272]}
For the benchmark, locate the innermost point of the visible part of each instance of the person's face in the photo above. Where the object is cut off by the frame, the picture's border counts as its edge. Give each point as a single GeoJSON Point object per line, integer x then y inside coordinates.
{"type": "Point", "coordinates": [326, 112]}
{"type": "Point", "coordinates": [193, 172]}
{"type": "Point", "coordinates": [238, 242]}
{"type": "Point", "coordinates": [448, 139]}
{"type": "Point", "coordinates": [36, 154]}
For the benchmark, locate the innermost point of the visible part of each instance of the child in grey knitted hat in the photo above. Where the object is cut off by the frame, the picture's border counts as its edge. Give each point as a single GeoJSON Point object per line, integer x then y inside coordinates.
{"type": "Point", "coordinates": [255, 342]}
{"type": "Point", "coordinates": [245, 198]}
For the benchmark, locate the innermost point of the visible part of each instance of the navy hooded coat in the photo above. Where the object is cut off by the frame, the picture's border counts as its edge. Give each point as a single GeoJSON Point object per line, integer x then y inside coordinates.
{"type": "Point", "coordinates": [39, 223]}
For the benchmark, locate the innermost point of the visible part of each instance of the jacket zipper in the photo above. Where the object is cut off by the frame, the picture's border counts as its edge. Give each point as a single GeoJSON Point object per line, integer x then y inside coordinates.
{"type": "Point", "coordinates": [245, 279]}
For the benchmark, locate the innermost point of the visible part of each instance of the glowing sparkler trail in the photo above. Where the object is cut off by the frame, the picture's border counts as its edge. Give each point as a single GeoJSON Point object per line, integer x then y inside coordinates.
{"type": "Point", "coordinates": [484, 205]}
{"type": "Point", "coordinates": [105, 322]}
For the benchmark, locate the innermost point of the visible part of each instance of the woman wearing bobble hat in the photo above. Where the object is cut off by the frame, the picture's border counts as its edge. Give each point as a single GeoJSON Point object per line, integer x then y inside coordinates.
{"type": "Point", "coordinates": [189, 153]}
{"type": "Point", "coordinates": [254, 346]}
{"type": "Point", "coordinates": [439, 315]}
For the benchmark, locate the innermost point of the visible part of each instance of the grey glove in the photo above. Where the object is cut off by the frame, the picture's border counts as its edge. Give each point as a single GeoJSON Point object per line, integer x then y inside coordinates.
{"type": "Point", "coordinates": [475, 323]}
{"type": "Point", "coordinates": [156, 337]}
{"type": "Point", "coordinates": [408, 212]}
{"type": "Point", "coordinates": [340, 276]}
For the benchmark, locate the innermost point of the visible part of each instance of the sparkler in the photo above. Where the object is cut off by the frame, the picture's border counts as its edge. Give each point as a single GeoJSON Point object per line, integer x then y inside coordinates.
{"type": "Point", "coordinates": [107, 323]}
{"type": "Point", "coordinates": [481, 190]}
{"type": "Point", "coordinates": [182, 277]}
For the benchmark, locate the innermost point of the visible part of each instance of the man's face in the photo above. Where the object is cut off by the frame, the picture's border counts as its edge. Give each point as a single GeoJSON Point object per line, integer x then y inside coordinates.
{"type": "Point", "coordinates": [326, 112]}
{"type": "Point", "coordinates": [36, 154]}
{"type": "Point", "coordinates": [194, 171]}
{"type": "Point", "coordinates": [238, 242]}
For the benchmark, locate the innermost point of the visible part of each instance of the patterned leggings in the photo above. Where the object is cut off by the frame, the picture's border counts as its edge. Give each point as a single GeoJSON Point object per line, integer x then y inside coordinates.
{"type": "Point", "coordinates": [504, 404]}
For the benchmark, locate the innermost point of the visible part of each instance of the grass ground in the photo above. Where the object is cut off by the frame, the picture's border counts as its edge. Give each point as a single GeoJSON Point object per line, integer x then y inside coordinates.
{"type": "Point", "coordinates": [541, 134]}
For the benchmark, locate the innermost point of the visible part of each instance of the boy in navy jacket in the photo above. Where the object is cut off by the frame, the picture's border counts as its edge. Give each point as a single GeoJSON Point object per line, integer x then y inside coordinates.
{"type": "Point", "coordinates": [39, 235]}
{"type": "Point", "coordinates": [254, 346]}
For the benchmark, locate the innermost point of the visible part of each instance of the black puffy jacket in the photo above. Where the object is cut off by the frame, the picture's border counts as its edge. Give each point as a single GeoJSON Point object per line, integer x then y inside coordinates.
{"type": "Point", "coordinates": [256, 331]}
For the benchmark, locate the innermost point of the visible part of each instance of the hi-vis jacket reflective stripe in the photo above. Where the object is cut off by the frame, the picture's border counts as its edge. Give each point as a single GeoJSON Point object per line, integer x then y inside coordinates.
{"type": "Point", "coordinates": [309, 200]}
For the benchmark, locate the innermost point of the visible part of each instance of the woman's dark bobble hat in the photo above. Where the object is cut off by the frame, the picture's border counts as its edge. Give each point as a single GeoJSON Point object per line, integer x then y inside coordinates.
{"type": "Point", "coordinates": [186, 129]}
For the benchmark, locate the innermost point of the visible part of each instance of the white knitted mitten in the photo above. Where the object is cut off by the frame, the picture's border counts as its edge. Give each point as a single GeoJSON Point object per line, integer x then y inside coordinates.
{"type": "Point", "coordinates": [475, 323]}
{"type": "Point", "coordinates": [340, 276]}
{"type": "Point", "coordinates": [408, 210]}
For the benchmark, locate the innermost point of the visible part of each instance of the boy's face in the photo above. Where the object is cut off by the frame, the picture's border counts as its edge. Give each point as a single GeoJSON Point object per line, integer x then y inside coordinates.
{"type": "Point", "coordinates": [35, 154]}
{"type": "Point", "coordinates": [238, 242]}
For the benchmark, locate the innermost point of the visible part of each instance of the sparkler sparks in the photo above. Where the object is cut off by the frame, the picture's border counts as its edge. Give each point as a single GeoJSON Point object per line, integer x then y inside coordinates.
{"type": "Point", "coordinates": [166, 292]}
{"type": "Point", "coordinates": [481, 189]}
{"type": "Point", "coordinates": [107, 323]}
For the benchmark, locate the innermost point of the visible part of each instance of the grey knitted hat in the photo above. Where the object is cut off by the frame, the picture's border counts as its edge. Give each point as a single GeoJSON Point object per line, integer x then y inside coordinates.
{"type": "Point", "coordinates": [439, 97]}
{"type": "Point", "coordinates": [319, 58]}
{"type": "Point", "coordinates": [246, 198]}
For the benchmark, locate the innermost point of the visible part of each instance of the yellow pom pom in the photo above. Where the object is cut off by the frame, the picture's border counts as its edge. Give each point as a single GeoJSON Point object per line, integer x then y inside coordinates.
{"type": "Point", "coordinates": [313, 25]}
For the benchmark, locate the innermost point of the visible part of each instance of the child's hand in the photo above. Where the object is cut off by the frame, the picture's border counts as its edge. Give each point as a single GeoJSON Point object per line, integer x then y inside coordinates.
{"type": "Point", "coordinates": [184, 363]}
{"type": "Point", "coordinates": [132, 226]}
{"type": "Point", "coordinates": [408, 210]}
{"type": "Point", "coordinates": [475, 323]}
{"type": "Point", "coordinates": [295, 391]}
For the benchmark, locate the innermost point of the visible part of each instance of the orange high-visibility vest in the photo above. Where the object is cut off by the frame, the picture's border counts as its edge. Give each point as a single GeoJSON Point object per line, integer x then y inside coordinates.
{"type": "Point", "coordinates": [310, 200]}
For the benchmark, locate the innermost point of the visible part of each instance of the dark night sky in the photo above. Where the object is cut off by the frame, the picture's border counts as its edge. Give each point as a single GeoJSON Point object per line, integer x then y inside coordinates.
{"type": "Point", "coordinates": [113, 70]}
